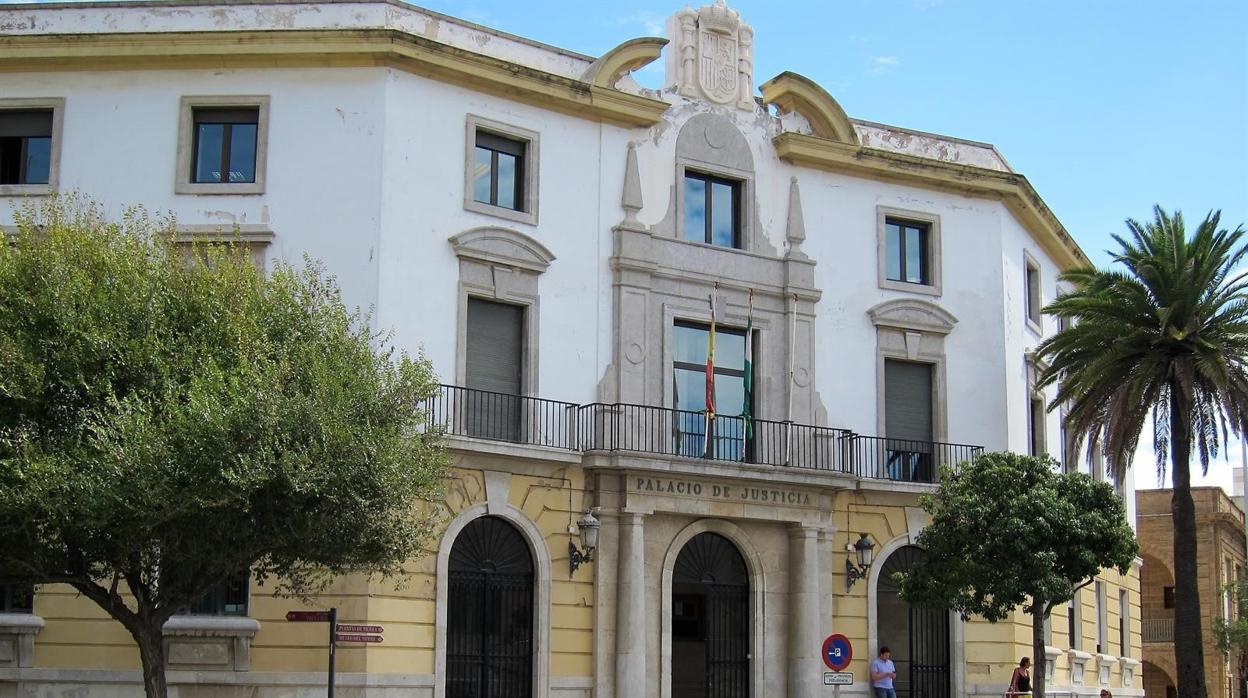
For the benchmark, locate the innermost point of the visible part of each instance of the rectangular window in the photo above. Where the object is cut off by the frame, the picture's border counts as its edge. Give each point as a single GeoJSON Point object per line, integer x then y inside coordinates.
{"type": "Point", "coordinates": [1102, 643]}
{"type": "Point", "coordinates": [17, 598]}
{"type": "Point", "coordinates": [712, 210]}
{"type": "Point", "coordinates": [908, 421]}
{"type": "Point", "coordinates": [1033, 292]}
{"type": "Point", "coordinates": [25, 146]}
{"type": "Point", "coordinates": [907, 251]}
{"type": "Point", "coordinates": [226, 599]}
{"type": "Point", "coordinates": [493, 369]}
{"type": "Point", "coordinates": [1124, 625]}
{"type": "Point", "coordinates": [1035, 427]}
{"type": "Point", "coordinates": [1167, 597]}
{"type": "Point", "coordinates": [1074, 622]}
{"type": "Point", "coordinates": [225, 145]}
{"type": "Point", "coordinates": [727, 437]}
{"type": "Point", "coordinates": [498, 170]}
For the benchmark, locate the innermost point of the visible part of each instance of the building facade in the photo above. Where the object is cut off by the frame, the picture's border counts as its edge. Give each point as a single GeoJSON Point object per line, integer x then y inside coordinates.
{"type": "Point", "coordinates": [563, 243]}
{"type": "Point", "coordinates": [1219, 564]}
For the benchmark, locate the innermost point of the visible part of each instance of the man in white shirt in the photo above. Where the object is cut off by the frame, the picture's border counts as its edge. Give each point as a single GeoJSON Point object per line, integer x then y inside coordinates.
{"type": "Point", "coordinates": [883, 671]}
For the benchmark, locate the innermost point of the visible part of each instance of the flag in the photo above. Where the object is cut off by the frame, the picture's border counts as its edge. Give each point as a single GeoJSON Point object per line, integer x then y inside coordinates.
{"type": "Point", "coordinates": [748, 381]}
{"type": "Point", "coordinates": [710, 382]}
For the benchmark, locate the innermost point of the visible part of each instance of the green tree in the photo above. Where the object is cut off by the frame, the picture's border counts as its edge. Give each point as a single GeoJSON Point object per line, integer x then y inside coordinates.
{"type": "Point", "coordinates": [1008, 531]}
{"type": "Point", "coordinates": [171, 421]}
{"type": "Point", "coordinates": [1231, 634]}
{"type": "Point", "coordinates": [1166, 336]}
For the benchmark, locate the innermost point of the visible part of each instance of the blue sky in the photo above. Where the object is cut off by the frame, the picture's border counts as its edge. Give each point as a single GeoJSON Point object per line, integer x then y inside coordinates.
{"type": "Point", "coordinates": [1107, 106]}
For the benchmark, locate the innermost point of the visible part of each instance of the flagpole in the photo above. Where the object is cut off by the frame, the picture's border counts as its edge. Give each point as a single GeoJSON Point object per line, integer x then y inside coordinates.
{"type": "Point", "coordinates": [710, 379]}
{"type": "Point", "coordinates": [788, 441]}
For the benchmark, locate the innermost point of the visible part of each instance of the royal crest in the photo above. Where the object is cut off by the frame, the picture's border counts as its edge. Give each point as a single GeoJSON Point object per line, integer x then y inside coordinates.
{"type": "Point", "coordinates": [713, 56]}
{"type": "Point", "coordinates": [718, 57]}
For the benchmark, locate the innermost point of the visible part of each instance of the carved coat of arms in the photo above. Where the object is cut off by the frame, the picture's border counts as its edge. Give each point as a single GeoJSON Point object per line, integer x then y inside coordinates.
{"type": "Point", "coordinates": [718, 58]}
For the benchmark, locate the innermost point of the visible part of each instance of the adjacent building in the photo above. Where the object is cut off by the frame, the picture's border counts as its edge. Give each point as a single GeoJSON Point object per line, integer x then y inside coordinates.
{"type": "Point", "coordinates": [563, 243]}
{"type": "Point", "coordinates": [1219, 564]}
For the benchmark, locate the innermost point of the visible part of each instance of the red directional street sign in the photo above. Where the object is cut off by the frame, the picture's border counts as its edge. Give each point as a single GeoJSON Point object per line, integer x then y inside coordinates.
{"type": "Point", "coordinates": [345, 628]}
{"type": "Point", "coordinates": [343, 637]}
{"type": "Point", "coordinates": [307, 616]}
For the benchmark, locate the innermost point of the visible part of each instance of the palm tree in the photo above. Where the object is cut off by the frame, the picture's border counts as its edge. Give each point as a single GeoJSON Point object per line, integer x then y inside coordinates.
{"type": "Point", "coordinates": [1166, 335]}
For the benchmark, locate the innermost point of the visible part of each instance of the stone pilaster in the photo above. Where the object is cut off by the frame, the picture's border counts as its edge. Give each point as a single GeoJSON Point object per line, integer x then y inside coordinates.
{"type": "Point", "coordinates": [630, 619]}
{"type": "Point", "coordinates": [804, 672]}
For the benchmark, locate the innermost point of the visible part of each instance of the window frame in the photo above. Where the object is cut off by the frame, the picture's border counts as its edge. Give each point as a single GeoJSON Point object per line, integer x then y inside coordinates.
{"type": "Point", "coordinates": [709, 179]}
{"type": "Point", "coordinates": [57, 106]}
{"type": "Point", "coordinates": [184, 182]}
{"type": "Point", "coordinates": [1074, 621]}
{"type": "Point", "coordinates": [527, 184]}
{"type": "Point", "coordinates": [228, 119]}
{"type": "Point", "coordinates": [7, 595]}
{"type": "Point", "coordinates": [219, 596]}
{"type": "Point", "coordinates": [1033, 293]}
{"type": "Point", "coordinates": [720, 329]}
{"type": "Point", "coordinates": [885, 215]}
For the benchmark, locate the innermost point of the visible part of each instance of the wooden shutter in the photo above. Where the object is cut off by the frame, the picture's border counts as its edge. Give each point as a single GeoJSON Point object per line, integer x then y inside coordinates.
{"type": "Point", "coordinates": [908, 400]}
{"type": "Point", "coordinates": [495, 346]}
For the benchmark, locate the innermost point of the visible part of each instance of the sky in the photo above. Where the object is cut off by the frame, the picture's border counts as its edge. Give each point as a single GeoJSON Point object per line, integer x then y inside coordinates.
{"type": "Point", "coordinates": [1107, 106]}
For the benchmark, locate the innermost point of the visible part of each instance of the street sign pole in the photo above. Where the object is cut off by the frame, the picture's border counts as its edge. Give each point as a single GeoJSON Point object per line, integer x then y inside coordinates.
{"type": "Point", "coordinates": [333, 633]}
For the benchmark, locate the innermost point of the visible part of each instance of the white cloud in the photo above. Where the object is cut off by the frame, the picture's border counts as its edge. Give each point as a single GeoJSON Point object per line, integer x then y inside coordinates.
{"type": "Point", "coordinates": [648, 22]}
{"type": "Point", "coordinates": [886, 60]}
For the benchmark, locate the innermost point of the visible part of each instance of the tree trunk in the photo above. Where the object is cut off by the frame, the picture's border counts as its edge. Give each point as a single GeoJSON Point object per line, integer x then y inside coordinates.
{"type": "Point", "coordinates": [150, 637]}
{"type": "Point", "coordinates": [1188, 647]}
{"type": "Point", "coordinates": [1039, 661]}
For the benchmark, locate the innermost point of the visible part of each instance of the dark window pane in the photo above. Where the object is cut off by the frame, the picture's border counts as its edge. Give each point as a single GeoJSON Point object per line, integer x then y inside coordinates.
{"type": "Point", "coordinates": [507, 181]}
{"type": "Point", "coordinates": [17, 598]}
{"type": "Point", "coordinates": [481, 175]}
{"type": "Point", "coordinates": [914, 256]}
{"type": "Point", "coordinates": [695, 210]}
{"type": "Point", "coordinates": [208, 152]}
{"type": "Point", "coordinates": [243, 153]}
{"type": "Point", "coordinates": [723, 206]}
{"type": "Point", "coordinates": [38, 160]}
{"type": "Point", "coordinates": [892, 251]}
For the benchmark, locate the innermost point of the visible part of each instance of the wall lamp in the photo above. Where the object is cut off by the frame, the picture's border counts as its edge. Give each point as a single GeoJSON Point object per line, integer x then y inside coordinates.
{"type": "Point", "coordinates": [863, 548]}
{"type": "Point", "coordinates": [588, 525]}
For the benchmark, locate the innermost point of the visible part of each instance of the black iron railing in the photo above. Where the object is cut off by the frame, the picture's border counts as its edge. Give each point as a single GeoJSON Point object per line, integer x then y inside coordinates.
{"type": "Point", "coordinates": [621, 427]}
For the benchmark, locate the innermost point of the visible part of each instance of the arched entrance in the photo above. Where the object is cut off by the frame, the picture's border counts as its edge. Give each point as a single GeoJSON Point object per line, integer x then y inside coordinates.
{"type": "Point", "coordinates": [1157, 681]}
{"type": "Point", "coordinates": [710, 620]}
{"type": "Point", "coordinates": [919, 637]}
{"type": "Point", "coordinates": [489, 626]}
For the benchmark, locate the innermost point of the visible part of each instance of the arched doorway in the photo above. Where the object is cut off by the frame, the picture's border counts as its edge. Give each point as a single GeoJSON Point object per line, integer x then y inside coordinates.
{"type": "Point", "coordinates": [710, 620]}
{"type": "Point", "coordinates": [489, 626]}
{"type": "Point", "coordinates": [919, 637]}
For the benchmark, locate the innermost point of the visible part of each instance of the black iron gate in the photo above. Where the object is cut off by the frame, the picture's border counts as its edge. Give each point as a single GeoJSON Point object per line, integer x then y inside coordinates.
{"type": "Point", "coordinates": [489, 623]}
{"type": "Point", "coordinates": [711, 620]}
{"type": "Point", "coordinates": [923, 666]}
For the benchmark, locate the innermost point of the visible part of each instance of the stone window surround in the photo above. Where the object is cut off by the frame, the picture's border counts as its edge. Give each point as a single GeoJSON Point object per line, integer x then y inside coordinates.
{"type": "Point", "coordinates": [932, 221]}
{"type": "Point", "coordinates": [210, 642]}
{"type": "Point", "coordinates": [532, 153]}
{"type": "Point", "coordinates": [17, 633]}
{"type": "Point", "coordinates": [57, 105]}
{"type": "Point", "coordinates": [501, 265]}
{"type": "Point", "coordinates": [182, 183]}
{"type": "Point", "coordinates": [257, 237]}
{"type": "Point", "coordinates": [1129, 668]}
{"type": "Point", "coordinates": [1104, 668]}
{"type": "Point", "coordinates": [745, 199]}
{"type": "Point", "coordinates": [1034, 368]}
{"type": "Point", "coordinates": [911, 329]}
{"type": "Point", "coordinates": [497, 489]}
{"type": "Point", "coordinates": [1035, 325]}
{"type": "Point", "coordinates": [1078, 662]}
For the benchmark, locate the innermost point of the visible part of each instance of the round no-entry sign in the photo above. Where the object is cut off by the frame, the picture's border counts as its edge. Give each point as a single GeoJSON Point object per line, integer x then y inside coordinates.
{"type": "Point", "coordinates": [837, 652]}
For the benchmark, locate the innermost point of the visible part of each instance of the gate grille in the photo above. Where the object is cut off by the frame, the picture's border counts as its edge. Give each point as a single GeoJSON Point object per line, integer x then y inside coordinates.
{"type": "Point", "coordinates": [710, 581]}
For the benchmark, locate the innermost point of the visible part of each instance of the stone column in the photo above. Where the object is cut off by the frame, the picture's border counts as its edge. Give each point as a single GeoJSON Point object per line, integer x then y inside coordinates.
{"type": "Point", "coordinates": [630, 616]}
{"type": "Point", "coordinates": [805, 665]}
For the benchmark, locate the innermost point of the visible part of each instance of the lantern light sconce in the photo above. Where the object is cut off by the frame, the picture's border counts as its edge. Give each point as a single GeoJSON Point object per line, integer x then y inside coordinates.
{"type": "Point", "coordinates": [588, 526]}
{"type": "Point", "coordinates": [863, 549]}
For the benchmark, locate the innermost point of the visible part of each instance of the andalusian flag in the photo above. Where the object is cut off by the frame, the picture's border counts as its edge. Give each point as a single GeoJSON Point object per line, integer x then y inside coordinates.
{"type": "Point", "coordinates": [746, 407]}
{"type": "Point", "coordinates": [710, 380]}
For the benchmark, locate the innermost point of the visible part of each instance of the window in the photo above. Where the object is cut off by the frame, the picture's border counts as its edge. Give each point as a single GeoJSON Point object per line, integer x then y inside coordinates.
{"type": "Point", "coordinates": [1167, 597]}
{"type": "Point", "coordinates": [908, 421]}
{"type": "Point", "coordinates": [906, 252]}
{"type": "Point", "coordinates": [712, 210]}
{"type": "Point", "coordinates": [1074, 622]}
{"type": "Point", "coordinates": [226, 599]}
{"type": "Point", "coordinates": [726, 440]}
{"type": "Point", "coordinates": [222, 142]}
{"type": "Point", "coordinates": [1102, 642]}
{"type": "Point", "coordinates": [17, 598]}
{"type": "Point", "coordinates": [1035, 427]}
{"type": "Point", "coordinates": [1032, 292]}
{"type": "Point", "coordinates": [225, 146]}
{"type": "Point", "coordinates": [29, 145]}
{"type": "Point", "coordinates": [1124, 625]}
{"type": "Point", "coordinates": [501, 170]}
{"type": "Point", "coordinates": [493, 369]}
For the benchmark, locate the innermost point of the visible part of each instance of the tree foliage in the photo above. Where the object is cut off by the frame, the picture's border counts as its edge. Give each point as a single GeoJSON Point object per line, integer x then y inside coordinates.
{"type": "Point", "coordinates": [1165, 338]}
{"type": "Point", "coordinates": [1007, 531]}
{"type": "Point", "coordinates": [171, 421]}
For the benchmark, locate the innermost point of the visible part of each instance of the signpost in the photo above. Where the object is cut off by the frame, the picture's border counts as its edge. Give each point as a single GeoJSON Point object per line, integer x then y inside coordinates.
{"type": "Point", "coordinates": [838, 678]}
{"type": "Point", "coordinates": [343, 632]}
{"type": "Point", "coordinates": [837, 653]}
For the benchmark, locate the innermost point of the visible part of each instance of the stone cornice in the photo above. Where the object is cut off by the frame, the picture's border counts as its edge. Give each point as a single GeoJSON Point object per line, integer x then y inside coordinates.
{"type": "Point", "coordinates": [1011, 188]}
{"type": "Point", "coordinates": [328, 48]}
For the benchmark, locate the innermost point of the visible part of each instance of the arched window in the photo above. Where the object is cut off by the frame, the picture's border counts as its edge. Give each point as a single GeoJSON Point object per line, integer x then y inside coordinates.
{"type": "Point", "coordinates": [710, 620]}
{"type": "Point", "coordinates": [919, 637]}
{"type": "Point", "coordinates": [489, 628]}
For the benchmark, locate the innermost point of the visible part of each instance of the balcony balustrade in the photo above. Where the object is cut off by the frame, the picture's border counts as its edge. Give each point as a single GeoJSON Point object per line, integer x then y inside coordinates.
{"type": "Point", "coordinates": [1158, 629]}
{"type": "Point", "coordinates": [644, 429]}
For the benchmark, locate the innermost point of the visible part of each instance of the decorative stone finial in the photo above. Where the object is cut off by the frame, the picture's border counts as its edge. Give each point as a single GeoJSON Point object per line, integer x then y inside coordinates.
{"type": "Point", "coordinates": [795, 232]}
{"type": "Point", "coordinates": [712, 56]}
{"type": "Point", "coordinates": [630, 198]}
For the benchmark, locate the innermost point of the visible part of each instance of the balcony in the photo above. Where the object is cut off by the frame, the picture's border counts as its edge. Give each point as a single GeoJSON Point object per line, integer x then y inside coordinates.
{"type": "Point", "coordinates": [642, 429]}
{"type": "Point", "coordinates": [1158, 629]}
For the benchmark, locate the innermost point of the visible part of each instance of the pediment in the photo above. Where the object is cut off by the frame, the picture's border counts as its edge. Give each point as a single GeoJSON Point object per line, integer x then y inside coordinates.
{"type": "Point", "coordinates": [913, 314]}
{"type": "Point", "coordinates": [502, 246]}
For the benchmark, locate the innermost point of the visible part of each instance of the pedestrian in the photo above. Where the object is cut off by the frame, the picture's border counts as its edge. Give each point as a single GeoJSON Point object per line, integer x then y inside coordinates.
{"type": "Point", "coordinates": [883, 671]}
{"type": "Point", "coordinates": [1106, 694]}
{"type": "Point", "coordinates": [1020, 682]}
